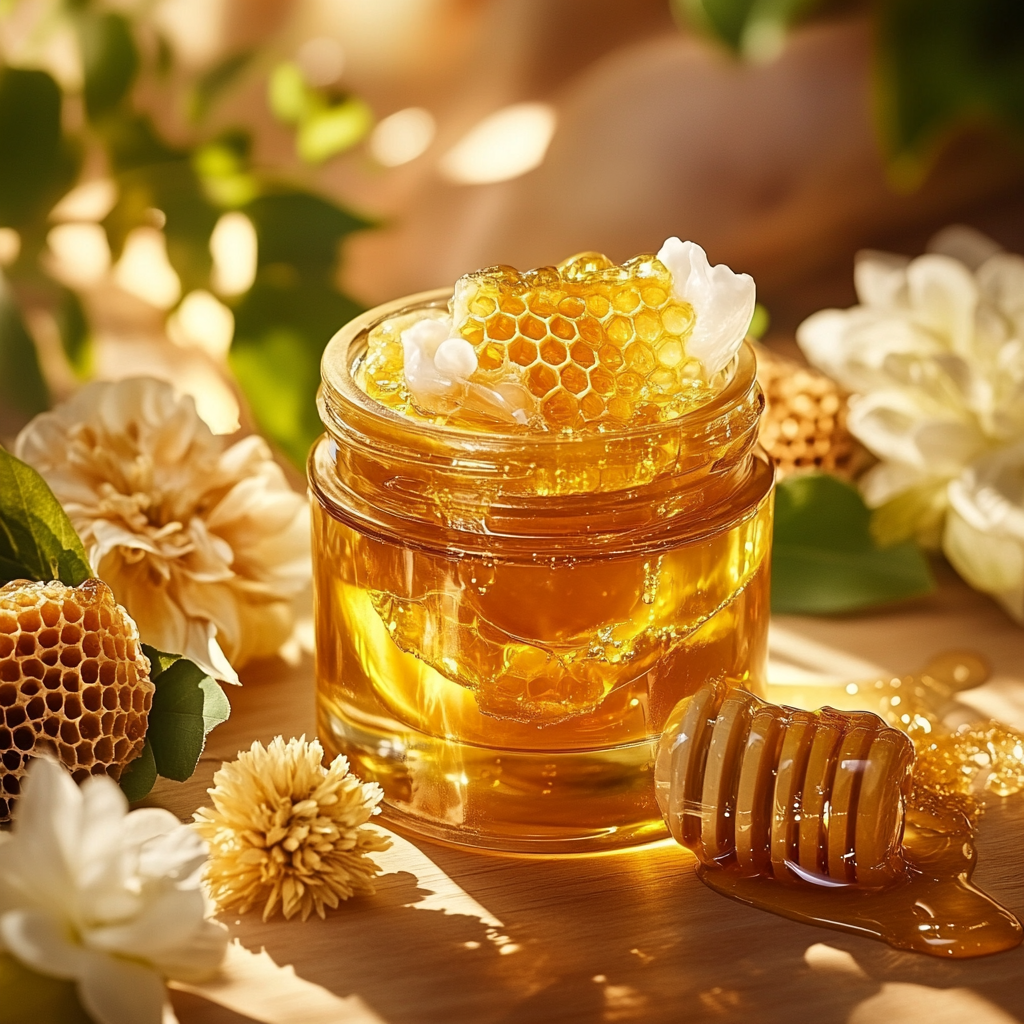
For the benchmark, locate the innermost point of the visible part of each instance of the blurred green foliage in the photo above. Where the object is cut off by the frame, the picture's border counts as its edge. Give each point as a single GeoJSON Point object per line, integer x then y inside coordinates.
{"type": "Point", "coordinates": [294, 305]}
{"type": "Point", "coordinates": [940, 63]}
{"type": "Point", "coordinates": [325, 125]}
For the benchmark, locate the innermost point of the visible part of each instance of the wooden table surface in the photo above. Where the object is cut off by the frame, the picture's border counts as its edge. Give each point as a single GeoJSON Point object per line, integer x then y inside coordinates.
{"type": "Point", "coordinates": [456, 936]}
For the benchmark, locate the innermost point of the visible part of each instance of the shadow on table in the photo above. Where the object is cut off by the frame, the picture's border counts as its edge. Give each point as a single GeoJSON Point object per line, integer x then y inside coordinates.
{"type": "Point", "coordinates": [634, 937]}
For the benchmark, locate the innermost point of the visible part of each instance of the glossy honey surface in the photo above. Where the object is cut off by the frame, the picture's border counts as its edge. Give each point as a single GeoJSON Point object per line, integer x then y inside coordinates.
{"type": "Point", "coordinates": [503, 625]}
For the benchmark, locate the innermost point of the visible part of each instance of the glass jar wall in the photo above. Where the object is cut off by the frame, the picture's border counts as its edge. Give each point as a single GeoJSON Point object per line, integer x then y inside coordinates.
{"type": "Point", "coordinates": [505, 620]}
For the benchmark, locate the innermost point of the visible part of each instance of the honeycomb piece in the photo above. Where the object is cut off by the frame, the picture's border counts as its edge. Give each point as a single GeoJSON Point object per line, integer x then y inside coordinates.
{"type": "Point", "coordinates": [803, 427]}
{"type": "Point", "coordinates": [589, 341]}
{"type": "Point", "coordinates": [74, 682]}
{"type": "Point", "coordinates": [783, 793]}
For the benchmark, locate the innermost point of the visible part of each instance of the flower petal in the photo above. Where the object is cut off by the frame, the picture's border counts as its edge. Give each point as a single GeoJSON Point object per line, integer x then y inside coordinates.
{"type": "Point", "coordinates": [172, 934]}
{"type": "Point", "coordinates": [116, 991]}
{"type": "Point", "coordinates": [104, 807]}
{"type": "Point", "coordinates": [147, 823]}
{"type": "Point", "coordinates": [943, 295]}
{"type": "Point", "coordinates": [39, 860]}
{"type": "Point", "coordinates": [984, 538]}
{"type": "Point", "coordinates": [722, 300]}
{"type": "Point", "coordinates": [895, 427]}
{"type": "Point", "coordinates": [1001, 280]}
{"type": "Point", "coordinates": [966, 244]}
{"type": "Point", "coordinates": [881, 279]}
{"type": "Point", "coordinates": [40, 942]}
{"type": "Point", "coordinates": [174, 854]}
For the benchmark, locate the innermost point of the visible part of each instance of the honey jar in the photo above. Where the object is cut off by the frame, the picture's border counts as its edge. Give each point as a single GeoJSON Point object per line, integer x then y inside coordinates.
{"type": "Point", "coordinates": [505, 619]}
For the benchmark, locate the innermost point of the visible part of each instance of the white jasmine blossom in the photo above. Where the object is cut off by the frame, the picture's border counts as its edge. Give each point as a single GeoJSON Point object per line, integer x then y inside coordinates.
{"type": "Point", "coordinates": [934, 355]}
{"type": "Point", "coordinates": [723, 302]}
{"type": "Point", "coordinates": [110, 900]}
{"type": "Point", "coordinates": [203, 541]}
{"type": "Point", "coordinates": [984, 533]}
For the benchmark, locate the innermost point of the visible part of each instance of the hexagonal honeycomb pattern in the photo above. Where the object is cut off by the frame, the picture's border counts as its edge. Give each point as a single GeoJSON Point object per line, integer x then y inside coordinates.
{"type": "Point", "coordinates": [74, 682]}
{"type": "Point", "coordinates": [589, 342]}
{"type": "Point", "coordinates": [803, 428]}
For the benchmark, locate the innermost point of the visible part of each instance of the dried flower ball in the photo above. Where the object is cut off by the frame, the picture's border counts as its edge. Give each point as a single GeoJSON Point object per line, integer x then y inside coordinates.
{"type": "Point", "coordinates": [74, 682]}
{"type": "Point", "coordinates": [287, 833]}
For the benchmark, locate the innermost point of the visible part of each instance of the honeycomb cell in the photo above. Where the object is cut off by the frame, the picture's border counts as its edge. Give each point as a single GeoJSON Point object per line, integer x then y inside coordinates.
{"type": "Point", "coordinates": [553, 352]}
{"type": "Point", "coordinates": [541, 379]}
{"type": "Point", "coordinates": [56, 709]}
{"type": "Point", "coordinates": [522, 352]}
{"type": "Point", "coordinates": [574, 379]}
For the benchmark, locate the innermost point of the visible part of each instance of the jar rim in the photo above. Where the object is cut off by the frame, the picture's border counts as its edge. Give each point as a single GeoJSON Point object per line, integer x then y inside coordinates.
{"type": "Point", "coordinates": [341, 400]}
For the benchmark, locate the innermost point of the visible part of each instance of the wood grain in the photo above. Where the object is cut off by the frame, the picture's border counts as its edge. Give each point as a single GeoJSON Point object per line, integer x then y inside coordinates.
{"type": "Point", "coordinates": [458, 936]}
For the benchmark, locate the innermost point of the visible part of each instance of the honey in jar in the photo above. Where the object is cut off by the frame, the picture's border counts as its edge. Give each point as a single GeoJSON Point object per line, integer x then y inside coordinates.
{"type": "Point", "coordinates": [540, 520]}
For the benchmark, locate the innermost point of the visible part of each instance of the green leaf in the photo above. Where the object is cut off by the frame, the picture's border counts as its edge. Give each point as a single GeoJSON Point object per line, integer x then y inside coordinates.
{"type": "Point", "coordinates": [37, 540]}
{"type": "Point", "coordinates": [187, 705]}
{"type": "Point", "coordinates": [140, 776]}
{"type": "Point", "coordinates": [325, 133]}
{"type": "Point", "coordinates": [223, 167]}
{"type": "Point", "coordinates": [302, 230]}
{"type": "Point", "coordinates": [74, 332]}
{"type": "Point", "coordinates": [26, 996]}
{"type": "Point", "coordinates": [281, 329]}
{"type": "Point", "coordinates": [37, 164]}
{"type": "Point", "coordinates": [824, 559]}
{"type": "Point", "coordinates": [110, 61]}
{"type": "Point", "coordinates": [212, 83]}
{"type": "Point", "coordinates": [22, 386]}
{"type": "Point", "coordinates": [159, 661]}
{"type": "Point", "coordinates": [946, 61]}
{"type": "Point", "coordinates": [289, 97]}
{"type": "Point", "coordinates": [754, 28]}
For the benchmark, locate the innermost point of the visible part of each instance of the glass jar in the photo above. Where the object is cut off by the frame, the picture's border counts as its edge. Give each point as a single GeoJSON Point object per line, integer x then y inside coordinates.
{"type": "Point", "coordinates": [505, 620]}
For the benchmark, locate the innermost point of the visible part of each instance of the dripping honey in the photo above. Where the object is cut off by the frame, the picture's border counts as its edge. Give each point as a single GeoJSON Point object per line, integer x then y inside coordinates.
{"type": "Point", "coordinates": [824, 817]}
{"type": "Point", "coordinates": [505, 621]}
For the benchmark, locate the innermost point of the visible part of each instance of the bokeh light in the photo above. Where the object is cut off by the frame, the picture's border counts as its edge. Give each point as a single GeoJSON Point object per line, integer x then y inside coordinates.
{"type": "Point", "coordinates": [403, 136]}
{"type": "Point", "coordinates": [504, 145]}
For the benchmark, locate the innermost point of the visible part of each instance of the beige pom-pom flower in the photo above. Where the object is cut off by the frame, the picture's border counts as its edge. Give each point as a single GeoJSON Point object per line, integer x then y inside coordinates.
{"type": "Point", "coordinates": [286, 832]}
{"type": "Point", "coordinates": [202, 541]}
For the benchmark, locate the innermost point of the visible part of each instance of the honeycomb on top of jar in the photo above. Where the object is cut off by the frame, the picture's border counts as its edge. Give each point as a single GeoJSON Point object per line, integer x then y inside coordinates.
{"type": "Point", "coordinates": [587, 341]}
{"type": "Point", "coordinates": [587, 344]}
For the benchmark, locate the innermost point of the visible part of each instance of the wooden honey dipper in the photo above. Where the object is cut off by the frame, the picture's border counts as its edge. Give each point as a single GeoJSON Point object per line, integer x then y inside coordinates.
{"type": "Point", "coordinates": [775, 792]}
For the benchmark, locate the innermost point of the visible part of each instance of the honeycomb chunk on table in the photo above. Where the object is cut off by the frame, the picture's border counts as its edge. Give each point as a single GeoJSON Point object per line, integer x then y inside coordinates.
{"type": "Point", "coordinates": [74, 682]}
{"type": "Point", "coordinates": [589, 341]}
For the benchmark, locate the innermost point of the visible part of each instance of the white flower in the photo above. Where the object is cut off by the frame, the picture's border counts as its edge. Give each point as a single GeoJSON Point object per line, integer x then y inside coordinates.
{"type": "Point", "coordinates": [107, 899]}
{"type": "Point", "coordinates": [201, 540]}
{"type": "Point", "coordinates": [722, 301]}
{"type": "Point", "coordinates": [984, 534]}
{"type": "Point", "coordinates": [935, 357]}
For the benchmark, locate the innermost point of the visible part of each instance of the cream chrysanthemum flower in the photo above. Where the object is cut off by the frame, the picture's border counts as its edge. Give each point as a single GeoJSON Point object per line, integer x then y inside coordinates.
{"type": "Point", "coordinates": [203, 541]}
{"type": "Point", "coordinates": [285, 831]}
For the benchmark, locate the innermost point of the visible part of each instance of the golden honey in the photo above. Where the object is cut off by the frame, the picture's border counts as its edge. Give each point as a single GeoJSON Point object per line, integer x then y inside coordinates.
{"type": "Point", "coordinates": [827, 817]}
{"type": "Point", "coordinates": [506, 618]}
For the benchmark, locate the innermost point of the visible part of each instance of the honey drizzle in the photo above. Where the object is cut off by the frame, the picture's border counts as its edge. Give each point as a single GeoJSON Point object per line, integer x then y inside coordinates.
{"type": "Point", "coordinates": [933, 909]}
{"type": "Point", "coordinates": [930, 905]}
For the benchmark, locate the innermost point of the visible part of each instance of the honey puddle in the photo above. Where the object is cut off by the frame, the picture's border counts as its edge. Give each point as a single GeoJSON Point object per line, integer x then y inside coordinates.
{"type": "Point", "coordinates": [832, 817]}
{"type": "Point", "coordinates": [934, 908]}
